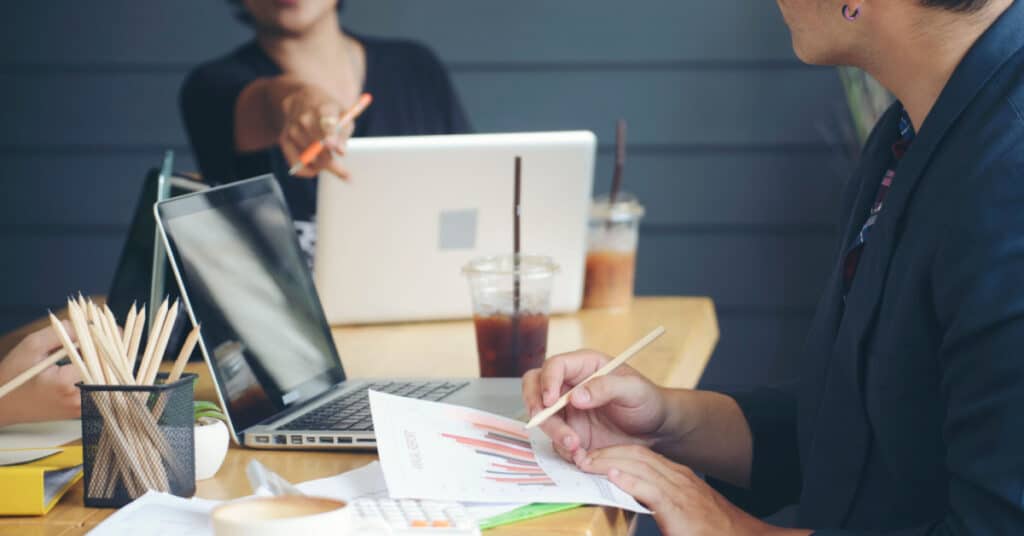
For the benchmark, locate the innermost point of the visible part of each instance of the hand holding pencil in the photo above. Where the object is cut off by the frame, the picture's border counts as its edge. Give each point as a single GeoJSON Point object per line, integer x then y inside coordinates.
{"type": "Point", "coordinates": [32, 387]}
{"type": "Point", "coordinates": [610, 403]}
{"type": "Point", "coordinates": [311, 140]}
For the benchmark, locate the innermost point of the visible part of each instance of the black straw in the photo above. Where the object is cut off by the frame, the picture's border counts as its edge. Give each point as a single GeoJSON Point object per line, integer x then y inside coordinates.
{"type": "Point", "coordinates": [620, 159]}
{"type": "Point", "coordinates": [517, 212]}
{"type": "Point", "coordinates": [515, 258]}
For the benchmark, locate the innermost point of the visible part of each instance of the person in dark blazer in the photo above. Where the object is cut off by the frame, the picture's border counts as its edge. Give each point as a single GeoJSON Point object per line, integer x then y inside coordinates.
{"type": "Point", "coordinates": [908, 417]}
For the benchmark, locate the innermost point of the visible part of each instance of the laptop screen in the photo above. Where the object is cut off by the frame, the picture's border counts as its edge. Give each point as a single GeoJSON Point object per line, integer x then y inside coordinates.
{"type": "Point", "coordinates": [245, 279]}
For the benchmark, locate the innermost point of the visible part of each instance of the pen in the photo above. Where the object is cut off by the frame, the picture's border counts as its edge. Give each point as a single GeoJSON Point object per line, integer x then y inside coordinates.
{"type": "Point", "coordinates": [603, 371]}
{"type": "Point", "coordinates": [316, 147]}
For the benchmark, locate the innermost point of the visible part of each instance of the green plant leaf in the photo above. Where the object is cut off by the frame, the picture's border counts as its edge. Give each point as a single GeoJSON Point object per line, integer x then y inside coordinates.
{"type": "Point", "coordinates": [203, 405]}
{"type": "Point", "coordinates": [203, 408]}
{"type": "Point", "coordinates": [210, 414]}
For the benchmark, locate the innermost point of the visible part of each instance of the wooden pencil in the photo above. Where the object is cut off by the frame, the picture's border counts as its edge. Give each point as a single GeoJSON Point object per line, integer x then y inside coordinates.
{"type": "Point", "coordinates": [183, 355]}
{"type": "Point", "coordinates": [126, 337]}
{"type": "Point", "coordinates": [161, 348]}
{"type": "Point", "coordinates": [85, 342]}
{"type": "Point", "coordinates": [151, 341]}
{"type": "Point", "coordinates": [32, 372]}
{"type": "Point", "coordinates": [70, 350]}
{"type": "Point", "coordinates": [133, 348]}
{"type": "Point", "coordinates": [117, 334]}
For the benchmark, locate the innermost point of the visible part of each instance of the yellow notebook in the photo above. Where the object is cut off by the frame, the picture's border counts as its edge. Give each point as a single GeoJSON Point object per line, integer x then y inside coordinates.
{"type": "Point", "coordinates": [33, 488]}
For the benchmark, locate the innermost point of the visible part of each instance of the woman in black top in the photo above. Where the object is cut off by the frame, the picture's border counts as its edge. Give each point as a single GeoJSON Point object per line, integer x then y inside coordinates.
{"type": "Point", "coordinates": [254, 110]}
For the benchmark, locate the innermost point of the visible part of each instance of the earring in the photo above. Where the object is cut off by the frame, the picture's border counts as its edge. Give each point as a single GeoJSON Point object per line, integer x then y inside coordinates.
{"type": "Point", "coordinates": [850, 15]}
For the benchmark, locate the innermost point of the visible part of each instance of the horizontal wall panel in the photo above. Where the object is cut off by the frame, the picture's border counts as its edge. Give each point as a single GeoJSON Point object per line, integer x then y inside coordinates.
{"type": "Point", "coordinates": [582, 30]}
{"type": "Point", "coordinates": [736, 269]}
{"type": "Point", "coordinates": [684, 188]}
{"type": "Point", "coordinates": [663, 107]}
{"type": "Point", "coordinates": [48, 267]}
{"type": "Point", "coordinates": [704, 108]}
{"type": "Point", "coordinates": [732, 188]}
{"type": "Point", "coordinates": [96, 188]}
{"type": "Point", "coordinates": [189, 31]}
{"type": "Point", "coordinates": [13, 319]}
{"type": "Point", "coordinates": [756, 349]}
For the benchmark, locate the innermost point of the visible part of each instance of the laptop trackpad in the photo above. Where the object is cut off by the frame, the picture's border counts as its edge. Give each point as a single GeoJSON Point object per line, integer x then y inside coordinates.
{"type": "Point", "coordinates": [496, 395]}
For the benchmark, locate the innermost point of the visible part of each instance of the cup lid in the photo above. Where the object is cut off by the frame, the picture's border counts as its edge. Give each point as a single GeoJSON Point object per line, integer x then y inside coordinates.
{"type": "Point", "coordinates": [625, 208]}
{"type": "Point", "coordinates": [528, 266]}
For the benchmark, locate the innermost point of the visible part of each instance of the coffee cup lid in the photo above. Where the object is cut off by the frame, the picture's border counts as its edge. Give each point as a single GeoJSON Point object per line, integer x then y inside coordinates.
{"type": "Point", "coordinates": [625, 208]}
{"type": "Point", "coordinates": [529, 266]}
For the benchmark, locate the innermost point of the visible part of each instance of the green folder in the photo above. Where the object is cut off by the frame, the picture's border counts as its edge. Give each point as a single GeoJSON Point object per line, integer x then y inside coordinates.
{"type": "Point", "coordinates": [523, 513]}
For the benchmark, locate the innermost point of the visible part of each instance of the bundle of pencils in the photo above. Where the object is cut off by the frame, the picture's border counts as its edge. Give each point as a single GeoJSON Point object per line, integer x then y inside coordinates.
{"type": "Point", "coordinates": [120, 382]}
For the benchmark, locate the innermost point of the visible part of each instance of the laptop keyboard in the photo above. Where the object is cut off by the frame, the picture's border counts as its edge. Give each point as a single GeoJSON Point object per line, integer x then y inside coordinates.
{"type": "Point", "coordinates": [351, 412]}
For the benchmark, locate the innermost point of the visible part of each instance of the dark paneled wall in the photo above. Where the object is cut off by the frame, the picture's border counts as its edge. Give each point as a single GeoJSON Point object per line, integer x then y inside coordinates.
{"type": "Point", "coordinates": [725, 125]}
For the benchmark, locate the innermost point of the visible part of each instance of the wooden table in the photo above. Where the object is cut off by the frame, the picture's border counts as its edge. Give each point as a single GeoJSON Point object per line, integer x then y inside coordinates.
{"type": "Point", "coordinates": [447, 349]}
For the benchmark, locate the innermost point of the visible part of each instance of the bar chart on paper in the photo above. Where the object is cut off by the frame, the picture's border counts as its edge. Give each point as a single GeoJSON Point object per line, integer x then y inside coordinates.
{"type": "Point", "coordinates": [435, 451]}
{"type": "Point", "coordinates": [506, 449]}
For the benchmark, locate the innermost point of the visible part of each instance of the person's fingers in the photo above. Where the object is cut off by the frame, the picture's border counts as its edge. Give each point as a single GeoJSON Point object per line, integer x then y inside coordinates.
{"type": "Point", "coordinates": [643, 489]}
{"type": "Point", "coordinates": [565, 453]}
{"type": "Point", "coordinates": [67, 377]}
{"type": "Point", "coordinates": [321, 161]}
{"type": "Point", "coordinates": [308, 124]}
{"type": "Point", "coordinates": [327, 117]}
{"type": "Point", "coordinates": [561, 434]}
{"type": "Point", "coordinates": [680, 477]}
{"type": "Point", "coordinates": [291, 149]}
{"type": "Point", "coordinates": [336, 168]}
{"type": "Point", "coordinates": [628, 390]}
{"type": "Point", "coordinates": [580, 421]}
{"type": "Point", "coordinates": [531, 392]}
{"type": "Point", "coordinates": [554, 426]}
{"type": "Point", "coordinates": [336, 147]}
{"type": "Point", "coordinates": [567, 369]}
{"type": "Point", "coordinates": [40, 343]}
{"type": "Point", "coordinates": [342, 136]}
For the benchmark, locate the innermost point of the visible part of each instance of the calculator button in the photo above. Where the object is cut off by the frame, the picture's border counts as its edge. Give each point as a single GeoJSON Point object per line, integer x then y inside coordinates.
{"type": "Point", "coordinates": [418, 523]}
{"type": "Point", "coordinates": [440, 523]}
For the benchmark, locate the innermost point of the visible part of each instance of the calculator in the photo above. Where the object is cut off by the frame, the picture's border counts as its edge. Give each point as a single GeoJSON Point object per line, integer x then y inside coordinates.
{"type": "Point", "coordinates": [417, 518]}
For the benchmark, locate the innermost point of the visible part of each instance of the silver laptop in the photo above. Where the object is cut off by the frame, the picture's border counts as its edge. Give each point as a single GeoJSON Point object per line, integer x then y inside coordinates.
{"type": "Point", "coordinates": [392, 241]}
{"type": "Point", "coordinates": [242, 277]}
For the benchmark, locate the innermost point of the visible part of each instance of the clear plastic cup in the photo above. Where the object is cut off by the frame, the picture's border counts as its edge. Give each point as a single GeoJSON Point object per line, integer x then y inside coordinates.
{"type": "Point", "coordinates": [511, 337]}
{"type": "Point", "coordinates": [611, 251]}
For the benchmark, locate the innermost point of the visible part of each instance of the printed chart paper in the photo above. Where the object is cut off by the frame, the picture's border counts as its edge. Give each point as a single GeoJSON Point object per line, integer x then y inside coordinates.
{"type": "Point", "coordinates": [440, 452]}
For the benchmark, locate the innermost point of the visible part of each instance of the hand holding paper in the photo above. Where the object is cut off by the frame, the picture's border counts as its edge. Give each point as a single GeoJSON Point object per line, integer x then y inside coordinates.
{"type": "Point", "coordinates": [498, 459]}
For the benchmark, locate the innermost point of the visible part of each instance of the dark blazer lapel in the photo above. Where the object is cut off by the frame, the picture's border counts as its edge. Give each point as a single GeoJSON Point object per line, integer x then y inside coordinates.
{"type": "Point", "coordinates": [857, 200]}
{"type": "Point", "coordinates": [991, 51]}
{"type": "Point", "coordinates": [841, 425]}
{"type": "Point", "coordinates": [831, 418]}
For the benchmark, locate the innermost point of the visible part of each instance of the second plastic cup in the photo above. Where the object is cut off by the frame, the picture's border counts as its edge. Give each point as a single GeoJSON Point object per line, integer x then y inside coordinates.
{"type": "Point", "coordinates": [511, 334]}
{"type": "Point", "coordinates": [611, 251]}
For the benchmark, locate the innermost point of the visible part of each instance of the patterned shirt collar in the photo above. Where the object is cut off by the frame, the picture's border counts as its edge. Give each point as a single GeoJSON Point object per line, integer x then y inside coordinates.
{"type": "Point", "coordinates": [906, 132]}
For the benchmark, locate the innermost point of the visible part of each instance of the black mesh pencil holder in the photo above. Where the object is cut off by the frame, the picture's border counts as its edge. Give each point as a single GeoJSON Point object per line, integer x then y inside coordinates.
{"type": "Point", "coordinates": [137, 438]}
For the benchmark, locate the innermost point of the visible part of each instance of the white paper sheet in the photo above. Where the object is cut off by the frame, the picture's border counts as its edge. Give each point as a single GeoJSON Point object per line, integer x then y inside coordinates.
{"type": "Point", "coordinates": [368, 482]}
{"type": "Point", "coordinates": [40, 434]}
{"type": "Point", "coordinates": [19, 457]}
{"type": "Point", "coordinates": [160, 514]}
{"type": "Point", "coordinates": [169, 515]}
{"type": "Point", "coordinates": [441, 452]}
